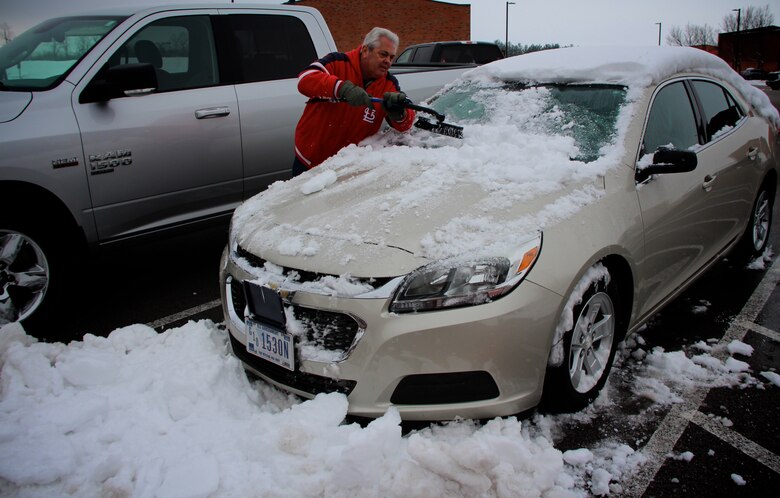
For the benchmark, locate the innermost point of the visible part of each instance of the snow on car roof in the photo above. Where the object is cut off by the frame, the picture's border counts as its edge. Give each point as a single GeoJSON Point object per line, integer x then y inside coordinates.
{"type": "Point", "coordinates": [635, 67]}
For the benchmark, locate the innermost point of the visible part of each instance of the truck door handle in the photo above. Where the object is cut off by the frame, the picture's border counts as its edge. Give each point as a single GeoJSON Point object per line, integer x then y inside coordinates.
{"type": "Point", "coordinates": [708, 181]}
{"type": "Point", "coordinates": [212, 112]}
{"type": "Point", "coordinates": [752, 153]}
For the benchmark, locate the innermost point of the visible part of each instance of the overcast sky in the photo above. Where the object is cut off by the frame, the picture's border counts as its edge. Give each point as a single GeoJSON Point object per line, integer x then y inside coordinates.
{"type": "Point", "coordinates": [568, 22]}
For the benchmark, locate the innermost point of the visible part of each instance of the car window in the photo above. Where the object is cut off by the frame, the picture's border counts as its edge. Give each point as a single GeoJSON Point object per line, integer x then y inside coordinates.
{"type": "Point", "coordinates": [271, 47]}
{"type": "Point", "coordinates": [585, 113]}
{"type": "Point", "coordinates": [672, 122]}
{"type": "Point", "coordinates": [721, 112]}
{"type": "Point", "coordinates": [181, 50]}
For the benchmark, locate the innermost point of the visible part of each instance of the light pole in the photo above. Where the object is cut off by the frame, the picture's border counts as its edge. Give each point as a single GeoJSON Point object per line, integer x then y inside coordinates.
{"type": "Point", "coordinates": [506, 40]}
{"type": "Point", "coordinates": [737, 62]}
{"type": "Point", "coordinates": [659, 33]}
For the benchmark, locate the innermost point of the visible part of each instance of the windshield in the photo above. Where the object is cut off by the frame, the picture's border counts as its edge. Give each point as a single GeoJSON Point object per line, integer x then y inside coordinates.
{"type": "Point", "coordinates": [42, 56]}
{"type": "Point", "coordinates": [587, 113]}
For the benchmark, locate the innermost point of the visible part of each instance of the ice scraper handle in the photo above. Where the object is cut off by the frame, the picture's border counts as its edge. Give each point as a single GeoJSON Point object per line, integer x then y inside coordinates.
{"type": "Point", "coordinates": [408, 104]}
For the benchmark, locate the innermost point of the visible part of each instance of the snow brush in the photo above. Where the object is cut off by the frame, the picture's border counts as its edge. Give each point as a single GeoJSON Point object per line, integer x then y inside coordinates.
{"type": "Point", "coordinates": [440, 127]}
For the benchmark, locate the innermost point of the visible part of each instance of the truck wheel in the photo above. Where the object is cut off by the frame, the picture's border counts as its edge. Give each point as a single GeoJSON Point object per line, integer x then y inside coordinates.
{"type": "Point", "coordinates": [24, 276]}
{"type": "Point", "coordinates": [35, 267]}
{"type": "Point", "coordinates": [589, 347]}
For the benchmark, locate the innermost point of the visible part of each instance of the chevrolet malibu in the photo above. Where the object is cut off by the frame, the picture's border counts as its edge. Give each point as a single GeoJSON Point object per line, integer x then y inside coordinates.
{"type": "Point", "coordinates": [487, 274]}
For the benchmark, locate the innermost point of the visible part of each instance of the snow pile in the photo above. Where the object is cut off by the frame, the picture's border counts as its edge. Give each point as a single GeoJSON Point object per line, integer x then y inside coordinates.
{"type": "Point", "coordinates": [665, 374]}
{"type": "Point", "coordinates": [173, 414]}
{"type": "Point", "coordinates": [142, 414]}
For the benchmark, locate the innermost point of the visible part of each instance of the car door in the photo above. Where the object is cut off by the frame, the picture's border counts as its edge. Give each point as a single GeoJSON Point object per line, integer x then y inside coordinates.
{"type": "Point", "coordinates": [681, 223]}
{"type": "Point", "coordinates": [170, 157]}
{"type": "Point", "coordinates": [731, 154]}
{"type": "Point", "coordinates": [267, 51]}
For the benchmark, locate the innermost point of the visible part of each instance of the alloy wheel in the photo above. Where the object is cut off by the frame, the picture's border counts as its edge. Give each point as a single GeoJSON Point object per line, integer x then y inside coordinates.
{"type": "Point", "coordinates": [761, 221]}
{"type": "Point", "coordinates": [24, 276]}
{"type": "Point", "coordinates": [591, 342]}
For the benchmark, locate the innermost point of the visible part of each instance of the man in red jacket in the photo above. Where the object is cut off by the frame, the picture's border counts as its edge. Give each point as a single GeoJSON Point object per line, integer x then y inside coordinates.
{"type": "Point", "coordinates": [340, 111]}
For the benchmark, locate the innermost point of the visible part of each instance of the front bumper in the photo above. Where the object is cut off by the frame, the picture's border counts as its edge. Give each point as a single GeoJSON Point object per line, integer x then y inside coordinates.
{"type": "Point", "coordinates": [473, 362]}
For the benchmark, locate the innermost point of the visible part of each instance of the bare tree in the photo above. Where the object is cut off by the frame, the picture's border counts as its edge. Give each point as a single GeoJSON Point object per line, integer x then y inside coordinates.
{"type": "Point", "coordinates": [749, 18]}
{"type": "Point", "coordinates": [691, 35]}
{"type": "Point", "coordinates": [5, 33]}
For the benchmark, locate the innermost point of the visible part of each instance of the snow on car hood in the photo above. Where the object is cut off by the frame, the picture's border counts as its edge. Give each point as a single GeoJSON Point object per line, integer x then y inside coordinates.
{"type": "Point", "coordinates": [390, 205]}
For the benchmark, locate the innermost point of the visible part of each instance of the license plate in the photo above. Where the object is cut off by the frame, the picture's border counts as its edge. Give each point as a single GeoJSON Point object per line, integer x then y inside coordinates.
{"type": "Point", "coordinates": [270, 343]}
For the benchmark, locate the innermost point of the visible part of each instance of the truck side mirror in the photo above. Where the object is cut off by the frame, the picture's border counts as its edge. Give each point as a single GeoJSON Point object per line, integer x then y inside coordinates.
{"type": "Point", "coordinates": [667, 161]}
{"type": "Point", "coordinates": [124, 80]}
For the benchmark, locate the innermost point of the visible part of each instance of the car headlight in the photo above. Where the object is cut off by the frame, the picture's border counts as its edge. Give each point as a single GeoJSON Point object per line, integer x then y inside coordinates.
{"type": "Point", "coordinates": [458, 282]}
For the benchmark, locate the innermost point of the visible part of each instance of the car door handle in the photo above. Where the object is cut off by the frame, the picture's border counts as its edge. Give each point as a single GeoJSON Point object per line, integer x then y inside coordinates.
{"type": "Point", "coordinates": [708, 181]}
{"type": "Point", "coordinates": [752, 153]}
{"type": "Point", "coordinates": [212, 112]}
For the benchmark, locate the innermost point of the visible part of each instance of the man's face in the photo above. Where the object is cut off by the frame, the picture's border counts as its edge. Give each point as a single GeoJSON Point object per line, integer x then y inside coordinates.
{"type": "Point", "coordinates": [376, 62]}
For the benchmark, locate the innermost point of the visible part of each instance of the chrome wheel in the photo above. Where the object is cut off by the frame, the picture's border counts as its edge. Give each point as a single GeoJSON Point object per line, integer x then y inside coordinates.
{"type": "Point", "coordinates": [762, 218]}
{"type": "Point", "coordinates": [591, 342]}
{"type": "Point", "coordinates": [24, 276]}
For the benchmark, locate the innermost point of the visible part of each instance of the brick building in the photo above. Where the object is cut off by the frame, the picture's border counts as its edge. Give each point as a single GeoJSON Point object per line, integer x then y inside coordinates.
{"type": "Point", "coordinates": [759, 48]}
{"type": "Point", "coordinates": [415, 21]}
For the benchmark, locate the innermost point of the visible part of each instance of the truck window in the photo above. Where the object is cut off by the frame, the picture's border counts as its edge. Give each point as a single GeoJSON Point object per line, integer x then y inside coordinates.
{"type": "Point", "coordinates": [270, 47]}
{"type": "Point", "coordinates": [406, 56]}
{"type": "Point", "coordinates": [181, 49]}
{"type": "Point", "coordinates": [42, 56]}
{"type": "Point", "coordinates": [424, 53]}
{"type": "Point", "coordinates": [457, 53]}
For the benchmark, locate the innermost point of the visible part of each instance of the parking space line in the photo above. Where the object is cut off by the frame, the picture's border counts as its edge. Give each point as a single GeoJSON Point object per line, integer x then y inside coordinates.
{"type": "Point", "coordinates": [666, 435]}
{"type": "Point", "coordinates": [735, 439]}
{"type": "Point", "coordinates": [760, 329]}
{"type": "Point", "coordinates": [185, 314]}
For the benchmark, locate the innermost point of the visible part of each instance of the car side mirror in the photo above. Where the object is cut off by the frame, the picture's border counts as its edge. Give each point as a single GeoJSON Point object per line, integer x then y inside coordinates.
{"type": "Point", "coordinates": [125, 80]}
{"type": "Point", "coordinates": [668, 161]}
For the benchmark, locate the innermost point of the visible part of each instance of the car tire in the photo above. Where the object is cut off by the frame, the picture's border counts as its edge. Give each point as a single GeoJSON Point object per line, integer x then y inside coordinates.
{"type": "Point", "coordinates": [756, 236]}
{"type": "Point", "coordinates": [589, 347]}
{"type": "Point", "coordinates": [37, 262]}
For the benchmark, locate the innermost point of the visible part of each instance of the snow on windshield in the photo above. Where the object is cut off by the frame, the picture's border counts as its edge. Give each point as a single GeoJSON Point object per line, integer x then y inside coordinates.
{"type": "Point", "coordinates": [635, 67]}
{"type": "Point", "coordinates": [519, 144]}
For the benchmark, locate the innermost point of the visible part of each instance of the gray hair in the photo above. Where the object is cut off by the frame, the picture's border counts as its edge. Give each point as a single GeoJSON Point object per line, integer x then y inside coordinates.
{"type": "Point", "coordinates": [372, 38]}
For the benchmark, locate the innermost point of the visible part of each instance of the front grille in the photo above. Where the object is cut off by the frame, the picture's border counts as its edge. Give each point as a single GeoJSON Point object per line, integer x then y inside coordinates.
{"type": "Point", "coordinates": [301, 275]}
{"type": "Point", "coordinates": [309, 383]}
{"type": "Point", "coordinates": [328, 330]}
{"type": "Point", "coordinates": [258, 262]}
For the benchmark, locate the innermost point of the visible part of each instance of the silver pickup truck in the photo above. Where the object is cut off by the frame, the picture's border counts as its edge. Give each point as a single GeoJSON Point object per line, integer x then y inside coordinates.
{"type": "Point", "coordinates": [127, 124]}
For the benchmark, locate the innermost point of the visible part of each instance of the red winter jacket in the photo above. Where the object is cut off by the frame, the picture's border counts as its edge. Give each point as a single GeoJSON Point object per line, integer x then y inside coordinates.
{"type": "Point", "coordinates": [328, 125]}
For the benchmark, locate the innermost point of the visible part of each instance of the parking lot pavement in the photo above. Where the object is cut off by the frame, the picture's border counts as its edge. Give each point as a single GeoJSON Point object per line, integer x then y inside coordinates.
{"type": "Point", "coordinates": [724, 441]}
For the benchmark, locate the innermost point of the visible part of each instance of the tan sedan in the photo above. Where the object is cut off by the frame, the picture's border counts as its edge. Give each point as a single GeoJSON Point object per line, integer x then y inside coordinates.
{"type": "Point", "coordinates": [482, 276]}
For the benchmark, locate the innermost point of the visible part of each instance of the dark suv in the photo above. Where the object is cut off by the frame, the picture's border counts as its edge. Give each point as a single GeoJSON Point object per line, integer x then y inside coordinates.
{"type": "Point", "coordinates": [451, 52]}
{"type": "Point", "coordinates": [753, 73]}
{"type": "Point", "coordinates": [773, 80]}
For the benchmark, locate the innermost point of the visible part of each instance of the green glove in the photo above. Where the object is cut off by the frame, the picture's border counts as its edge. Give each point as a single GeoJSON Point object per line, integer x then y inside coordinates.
{"type": "Point", "coordinates": [354, 95]}
{"type": "Point", "coordinates": [392, 103]}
